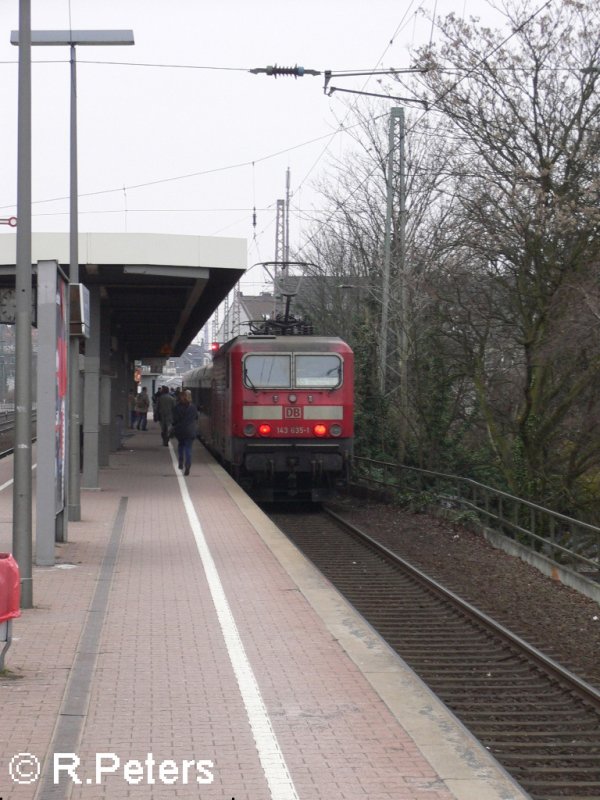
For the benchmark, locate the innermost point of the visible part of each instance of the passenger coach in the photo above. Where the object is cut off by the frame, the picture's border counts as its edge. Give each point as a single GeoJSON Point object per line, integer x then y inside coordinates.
{"type": "Point", "coordinates": [278, 412]}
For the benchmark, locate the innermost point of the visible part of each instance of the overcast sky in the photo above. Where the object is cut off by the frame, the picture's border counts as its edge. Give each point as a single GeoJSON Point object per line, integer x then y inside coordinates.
{"type": "Point", "coordinates": [153, 124]}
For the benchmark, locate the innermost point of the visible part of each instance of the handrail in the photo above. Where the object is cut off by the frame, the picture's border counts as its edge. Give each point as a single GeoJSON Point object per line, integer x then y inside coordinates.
{"type": "Point", "coordinates": [558, 536]}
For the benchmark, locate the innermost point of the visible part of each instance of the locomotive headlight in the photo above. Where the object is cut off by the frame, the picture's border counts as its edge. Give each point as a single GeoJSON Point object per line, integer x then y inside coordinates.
{"type": "Point", "coordinates": [249, 429]}
{"type": "Point", "coordinates": [320, 430]}
{"type": "Point", "coordinates": [292, 398]}
{"type": "Point", "coordinates": [335, 430]}
{"type": "Point", "coordinates": [264, 429]}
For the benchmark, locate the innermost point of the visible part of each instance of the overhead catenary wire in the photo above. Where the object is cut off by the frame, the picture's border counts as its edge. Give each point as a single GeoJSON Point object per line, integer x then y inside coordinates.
{"type": "Point", "coordinates": [435, 102]}
{"type": "Point", "coordinates": [147, 64]}
{"type": "Point", "coordinates": [329, 135]}
{"type": "Point", "coordinates": [342, 126]}
{"type": "Point", "coordinates": [157, 211]}
{"type": "Point", "coordinates": [172, 178]}
{"type": "Point", "coordinates": [253, 201]}
{"type": "Point", "coordinates": [342, 73]}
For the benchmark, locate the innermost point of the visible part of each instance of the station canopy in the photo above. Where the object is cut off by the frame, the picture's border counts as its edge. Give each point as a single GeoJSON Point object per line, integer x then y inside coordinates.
{"type": "Point", "coordinates": [158, 289]}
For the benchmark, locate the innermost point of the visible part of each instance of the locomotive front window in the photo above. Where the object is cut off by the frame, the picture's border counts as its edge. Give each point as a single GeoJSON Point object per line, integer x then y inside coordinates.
{"type": "Point", "coordinates": [267, 371]}
{"type": "Point", "coordinates": [318, 371]}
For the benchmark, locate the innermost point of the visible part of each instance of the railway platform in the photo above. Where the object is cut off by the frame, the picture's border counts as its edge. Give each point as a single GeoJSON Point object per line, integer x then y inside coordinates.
{"type": "Point", "coordinates": [181, 647]}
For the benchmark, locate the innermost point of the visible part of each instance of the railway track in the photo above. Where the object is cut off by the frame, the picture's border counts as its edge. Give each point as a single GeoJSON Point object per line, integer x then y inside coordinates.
{"type": "Point", "coordinates": [540, 722]}
{"type": "Point", "coordinates": [7, 431]}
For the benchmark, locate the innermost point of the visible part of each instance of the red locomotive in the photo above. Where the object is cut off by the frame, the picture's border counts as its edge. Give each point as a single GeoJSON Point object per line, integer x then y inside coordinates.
{"type": "Point", "coordinates": [278, 412]}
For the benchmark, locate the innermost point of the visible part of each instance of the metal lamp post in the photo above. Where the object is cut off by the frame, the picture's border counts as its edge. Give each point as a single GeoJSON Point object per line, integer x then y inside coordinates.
{"type": "Point", "coordinates": [73, 38]}
{"type": "Point", "coordinates": [24, 38]}
{"type": "Point", "coordinates": [22, 515]}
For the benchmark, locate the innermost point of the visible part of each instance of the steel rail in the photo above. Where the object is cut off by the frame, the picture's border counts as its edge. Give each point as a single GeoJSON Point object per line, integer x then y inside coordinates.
{"type": "Point", "coordinates": [583, 689]}
{"type": "Point", "coordinates": [539, 720]}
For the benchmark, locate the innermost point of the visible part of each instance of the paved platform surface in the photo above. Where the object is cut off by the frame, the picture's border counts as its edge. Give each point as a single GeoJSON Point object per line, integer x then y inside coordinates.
{"type": "Point", "coordinates": [181, 647]}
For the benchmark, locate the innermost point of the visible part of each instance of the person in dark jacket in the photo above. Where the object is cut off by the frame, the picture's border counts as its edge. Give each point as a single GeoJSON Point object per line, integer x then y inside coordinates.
{"type": "Point", "coordinates": [142, 404]}
{"type": "Point", "coordinates": [165, 405]}
{"type": "Point", "coordinates": [185, 427]}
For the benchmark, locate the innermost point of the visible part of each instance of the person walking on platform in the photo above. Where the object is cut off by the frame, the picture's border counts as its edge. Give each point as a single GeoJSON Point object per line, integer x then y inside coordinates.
{"type": "Point", "coordinates": [165, 403]}
{"type": "Point", "coordinates": [131, 408]}
{"type": "Point", "coordinates": [185, 428]}
{"type": "Point", "coordinates": [142, 404]}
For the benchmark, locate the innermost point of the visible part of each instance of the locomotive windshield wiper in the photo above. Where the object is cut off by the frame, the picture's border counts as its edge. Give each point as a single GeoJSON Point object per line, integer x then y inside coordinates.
{"type": "Point", "coordinates": [248, 380]}
{"type": "Point", "coordinates": [337, 369]}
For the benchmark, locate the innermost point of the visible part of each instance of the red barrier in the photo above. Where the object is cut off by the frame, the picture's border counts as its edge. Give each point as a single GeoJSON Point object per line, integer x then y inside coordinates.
{"type": "Point", "coordinates": [10, 588]}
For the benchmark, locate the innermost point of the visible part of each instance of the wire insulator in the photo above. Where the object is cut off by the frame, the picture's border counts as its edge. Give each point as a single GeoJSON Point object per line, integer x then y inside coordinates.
{"type": "Point", "coordinates": [276, 71]}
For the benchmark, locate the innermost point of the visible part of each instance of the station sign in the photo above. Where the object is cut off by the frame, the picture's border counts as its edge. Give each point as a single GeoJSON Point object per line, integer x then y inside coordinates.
{"type": "Point", "coordinates": [79, 295]}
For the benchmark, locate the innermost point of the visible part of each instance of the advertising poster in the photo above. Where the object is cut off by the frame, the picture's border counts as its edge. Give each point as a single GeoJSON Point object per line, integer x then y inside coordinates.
{"type": "Point", "coordinates": [62, 341]}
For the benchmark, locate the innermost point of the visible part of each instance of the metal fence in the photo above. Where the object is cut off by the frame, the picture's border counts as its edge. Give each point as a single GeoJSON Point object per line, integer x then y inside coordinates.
{"type": "Point", "coordinates": [564, 540]}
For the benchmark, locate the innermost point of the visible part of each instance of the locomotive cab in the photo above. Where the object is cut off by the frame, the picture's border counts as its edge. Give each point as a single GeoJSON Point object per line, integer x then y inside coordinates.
{"type": "Point", "coordinates": [281, 414]}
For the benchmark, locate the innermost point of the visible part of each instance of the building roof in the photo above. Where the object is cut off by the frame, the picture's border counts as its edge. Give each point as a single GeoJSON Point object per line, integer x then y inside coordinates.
{"type": "Point", "coordinates": [159, 289]}
{"type": "Point", "coordinates": [257, 307]}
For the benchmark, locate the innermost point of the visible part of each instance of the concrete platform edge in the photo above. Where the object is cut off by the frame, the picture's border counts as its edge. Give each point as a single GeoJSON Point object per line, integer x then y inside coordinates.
{"type": "Point", "coordinates": [468, 770]}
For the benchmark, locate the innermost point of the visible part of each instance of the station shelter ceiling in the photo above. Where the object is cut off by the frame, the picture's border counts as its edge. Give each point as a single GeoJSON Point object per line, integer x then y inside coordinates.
{"type": "Point", "coordinates": [159, 290]}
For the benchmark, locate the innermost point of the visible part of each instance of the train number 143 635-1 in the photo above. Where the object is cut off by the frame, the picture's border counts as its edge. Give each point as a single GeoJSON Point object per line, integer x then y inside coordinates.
{"type": "Point", "coordinates": [292, 430]}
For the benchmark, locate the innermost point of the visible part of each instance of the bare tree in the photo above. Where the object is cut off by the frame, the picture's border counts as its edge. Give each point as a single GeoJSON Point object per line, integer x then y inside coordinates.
{"type": "Point", "coordinates": [347, 244]}
{"type": "Point", "coordinates": [522, 235]}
